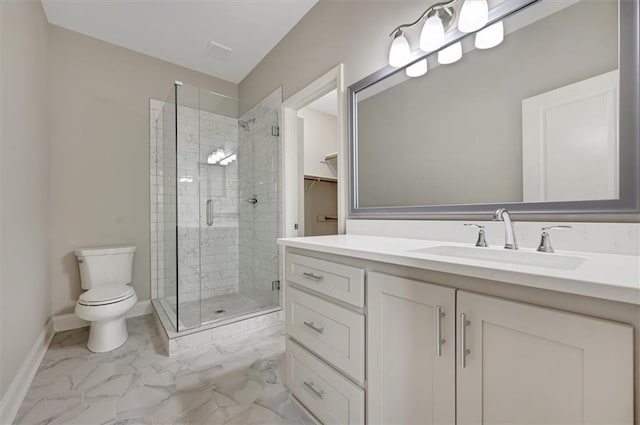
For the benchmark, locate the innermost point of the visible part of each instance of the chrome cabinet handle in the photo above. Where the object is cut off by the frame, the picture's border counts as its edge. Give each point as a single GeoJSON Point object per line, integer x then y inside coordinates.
{"type": "Point", "coordinates": [209, 212]}
{"type": "Point", "coordinates": [312, 276]}
{"type": "Point", "coordinates": [310, 387]}
{"type": "Point", "coordinates": [464, 352]}
{"type": "Point", "coordinates": [439, 339]}
{"type": "Point", "coordinates": [314, 327]}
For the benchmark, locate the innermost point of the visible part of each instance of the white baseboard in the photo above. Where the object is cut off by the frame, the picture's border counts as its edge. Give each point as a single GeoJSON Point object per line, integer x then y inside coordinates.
{"type": "Point", "coordinates": [65, 322]}
{"type": "Point", "coordinates": [20, 384]}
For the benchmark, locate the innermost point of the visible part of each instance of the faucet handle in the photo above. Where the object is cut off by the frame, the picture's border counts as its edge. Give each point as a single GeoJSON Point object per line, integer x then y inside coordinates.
{"type": "Point", "coordinates": [482, 241]}
{"type": "Point", "coordinates": [545, 239]}
{"type": "Point", "coordinates": [563, 227]}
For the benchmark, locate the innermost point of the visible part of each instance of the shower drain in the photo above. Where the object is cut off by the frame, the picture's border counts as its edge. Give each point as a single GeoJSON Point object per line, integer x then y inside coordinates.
{"type": "Point", "coordinates": [219, 311]}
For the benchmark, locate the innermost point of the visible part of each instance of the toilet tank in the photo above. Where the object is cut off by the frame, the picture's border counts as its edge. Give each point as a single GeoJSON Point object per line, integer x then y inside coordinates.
{"type": "Point", "coordinates": [105, 265]}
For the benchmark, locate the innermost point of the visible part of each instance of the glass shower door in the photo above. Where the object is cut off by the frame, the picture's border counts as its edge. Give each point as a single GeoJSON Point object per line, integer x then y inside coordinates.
{"type": "Point", "coordinates": [166, 208]}
{"type": "Point", "coordinates": [219, 264]}
{"type": "Point", "coordinates": [259, 169]}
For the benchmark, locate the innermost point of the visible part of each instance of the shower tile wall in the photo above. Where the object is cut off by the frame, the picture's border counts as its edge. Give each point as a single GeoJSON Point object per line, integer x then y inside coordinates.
{"type": "Point", "coordinates": [199, 134]}
{"type": "Point", "coordinates": [259, 166]}
{"type": "Point", "coordinates": [219, 242]}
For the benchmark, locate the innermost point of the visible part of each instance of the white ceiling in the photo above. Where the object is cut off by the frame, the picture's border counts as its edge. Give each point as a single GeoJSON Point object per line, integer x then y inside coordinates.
{"type": "Point", "coordinates": [179, 31]}
{"type": "Point", "coordinates": [327, 103]}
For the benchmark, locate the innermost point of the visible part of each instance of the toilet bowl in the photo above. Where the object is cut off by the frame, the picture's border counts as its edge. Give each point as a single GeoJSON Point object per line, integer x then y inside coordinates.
{"type": "Point", "coordinates": [105, 274]}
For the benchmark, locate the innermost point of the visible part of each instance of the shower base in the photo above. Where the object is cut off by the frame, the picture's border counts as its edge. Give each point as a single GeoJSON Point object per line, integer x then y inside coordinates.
{"type": "Point", "coordinates": [241, 314]}
{"type": "Point", "coordinates": [217, 308]}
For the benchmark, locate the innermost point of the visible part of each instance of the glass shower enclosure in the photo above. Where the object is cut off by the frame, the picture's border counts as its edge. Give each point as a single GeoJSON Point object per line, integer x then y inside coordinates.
{"type": "Point", "coordinates": [215, 210]}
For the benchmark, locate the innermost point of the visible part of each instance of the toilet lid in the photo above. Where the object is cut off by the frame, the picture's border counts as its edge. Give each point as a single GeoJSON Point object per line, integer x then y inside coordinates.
{"type": "Point", "coordinates": [106, 294]}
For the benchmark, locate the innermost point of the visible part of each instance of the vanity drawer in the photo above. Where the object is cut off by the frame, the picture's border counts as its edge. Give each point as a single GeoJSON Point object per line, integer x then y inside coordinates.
{"type": "Point", "coordinates": [332, 398]}
{"type": "Point", "coordinates": [345, 283]}
{"type": "Point", "coordinates": [332, 332]}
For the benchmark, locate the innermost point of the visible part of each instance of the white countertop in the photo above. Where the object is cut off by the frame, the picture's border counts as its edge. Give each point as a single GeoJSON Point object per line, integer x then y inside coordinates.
{"type": "Point", "coordinates": [604, 276]}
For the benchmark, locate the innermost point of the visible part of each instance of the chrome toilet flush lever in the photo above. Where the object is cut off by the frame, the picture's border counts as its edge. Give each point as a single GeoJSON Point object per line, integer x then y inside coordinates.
{"type": "Point", "coordinates": [482, 240]}
{"type": "Point", "coordinates": [545, 239]}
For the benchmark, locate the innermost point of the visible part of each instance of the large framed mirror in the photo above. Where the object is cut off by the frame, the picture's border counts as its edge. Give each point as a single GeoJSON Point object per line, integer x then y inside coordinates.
{"type": "Point", "coordinates": [544, 123]}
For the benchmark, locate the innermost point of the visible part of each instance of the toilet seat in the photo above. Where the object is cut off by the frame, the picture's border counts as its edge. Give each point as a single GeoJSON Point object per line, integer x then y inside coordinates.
{"type": "Point", "coordinates": [106, 294]}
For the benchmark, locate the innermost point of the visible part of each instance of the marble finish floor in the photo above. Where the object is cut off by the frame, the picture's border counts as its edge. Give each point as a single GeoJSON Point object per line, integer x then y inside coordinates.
{"type": "Point", "coordinates": [218, 308]}
{"type": "Point", "coordinates": [235, 381]}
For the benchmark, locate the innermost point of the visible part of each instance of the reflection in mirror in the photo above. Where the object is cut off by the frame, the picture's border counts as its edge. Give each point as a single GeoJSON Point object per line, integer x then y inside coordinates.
{"type": "Point", "coordinates": [534, 119]}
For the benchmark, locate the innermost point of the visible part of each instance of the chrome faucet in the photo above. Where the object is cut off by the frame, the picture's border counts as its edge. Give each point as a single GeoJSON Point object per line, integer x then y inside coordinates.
{"type": "Point", "coordinates": [509, 235]}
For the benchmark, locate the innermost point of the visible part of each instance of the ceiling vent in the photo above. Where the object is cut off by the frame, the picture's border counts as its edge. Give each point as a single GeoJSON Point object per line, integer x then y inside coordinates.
{"type": "Point", "coordinates": [217, 50]}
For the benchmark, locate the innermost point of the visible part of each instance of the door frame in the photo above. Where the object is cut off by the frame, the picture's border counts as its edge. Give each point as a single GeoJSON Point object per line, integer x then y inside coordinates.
{"type": "Point", "coordinates": [292, 170]}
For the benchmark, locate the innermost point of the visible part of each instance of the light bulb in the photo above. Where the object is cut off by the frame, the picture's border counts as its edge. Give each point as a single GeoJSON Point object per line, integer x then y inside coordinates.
{"type": "Point", "coordinates": [432, 35]}
{"type": "Point", "coordinates": [451, 54]}
{"type": "Point", "coordinates": [474, 14]}
{"type": "Point", "coordinates": [417, 69]}
{"type": "Point", "coordinates": [400, 52]}
{"type": "Point", "coordinates": [490, 37]}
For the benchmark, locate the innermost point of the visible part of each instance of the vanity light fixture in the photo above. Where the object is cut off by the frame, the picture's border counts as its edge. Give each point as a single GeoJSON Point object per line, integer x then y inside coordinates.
{"type": "Point", "coordinates": [450, 54]}
{"type": "Point", "coordinates": [216, 156]}
{"type": "Point", "coordinates": [437, 19]}
{"type": "Point", "coordinates": [228, 160]}
{"type": "Point", "coordinates": [490, 36]}
{"type": "Point", "coordinates": [418, 69]}
{"type": "Point", "coordinates": [400, 51]}
{"type": "Point", "coordinates": [474, 15]}
{"type": "Point", "coordinates": [432, 35]}
{"type": "Point", "coordinates": [438, 15]}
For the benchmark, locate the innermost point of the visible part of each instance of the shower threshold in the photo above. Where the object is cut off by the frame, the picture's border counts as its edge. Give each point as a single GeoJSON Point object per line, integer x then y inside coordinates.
{"type": "Point", "coordinates": [211, 332]}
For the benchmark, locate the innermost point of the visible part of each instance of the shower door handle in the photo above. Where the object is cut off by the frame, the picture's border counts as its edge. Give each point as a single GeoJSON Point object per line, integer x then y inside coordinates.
{"type": "Point", "coordinates": [209, 212]}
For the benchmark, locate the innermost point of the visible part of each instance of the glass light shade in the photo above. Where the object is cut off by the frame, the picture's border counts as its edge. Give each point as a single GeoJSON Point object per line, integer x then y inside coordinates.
{"type": "Point", "coordinates": [490, 37]}
{"type": "Point", "coordinates": [400, 52]}
{"type": "Point", "coordinates": [474, 14]}
{"type": "Point", "coordinates": [216, 156]}
{"type": "Point", "coordinates": [432, 35]}
{"type": "Point", "coordinates": [451, 54]}
{"type": "Point", "coordinates": [418, 69]}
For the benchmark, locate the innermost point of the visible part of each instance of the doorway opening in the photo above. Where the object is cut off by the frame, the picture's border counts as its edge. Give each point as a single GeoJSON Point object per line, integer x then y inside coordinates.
{"type": "Point", "coordinates": [314, 158]}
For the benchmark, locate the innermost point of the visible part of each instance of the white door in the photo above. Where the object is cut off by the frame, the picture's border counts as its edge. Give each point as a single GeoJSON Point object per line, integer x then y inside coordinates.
{"type": "Point", "coordinates": [570, 142]}
{"type": "Point", "coordinates": [409, 380]}
{"type": "Point", "coordinates": [531, 365]}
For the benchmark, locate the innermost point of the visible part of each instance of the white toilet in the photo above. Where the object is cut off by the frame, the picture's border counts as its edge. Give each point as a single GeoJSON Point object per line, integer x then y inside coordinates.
{"type": "Point", "coordinates": [105, 274]}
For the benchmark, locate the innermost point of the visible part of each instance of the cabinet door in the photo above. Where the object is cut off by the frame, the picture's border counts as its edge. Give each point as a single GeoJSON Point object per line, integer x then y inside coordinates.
{"type": "Point", "coordinates": [532, 365]}
{"type": "Point", "coordinates": [410, 380]}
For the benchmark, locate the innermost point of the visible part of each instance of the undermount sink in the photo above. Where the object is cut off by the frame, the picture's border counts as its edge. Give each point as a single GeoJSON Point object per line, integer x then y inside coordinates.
{"type": "Point", "coordinates": [536, 259]}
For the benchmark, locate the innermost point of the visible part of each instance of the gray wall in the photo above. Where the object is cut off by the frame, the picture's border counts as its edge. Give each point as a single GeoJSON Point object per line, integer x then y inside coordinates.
{"type": "Point", "coordinates": [99, 113]}
{"type": "Point", "coordinates": [25, 291]}
{"type": "Point", "coordinates": [351, 32]}
{"type": "Point", "coordinates": [462, 123]}
{"type": "Point", "coordinates": [354, 33]}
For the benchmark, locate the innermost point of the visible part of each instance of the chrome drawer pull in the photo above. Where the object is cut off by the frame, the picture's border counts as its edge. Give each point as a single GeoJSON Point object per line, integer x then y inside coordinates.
{"type": "Point", "coordinates": [464, 351]}
{"type": "Point", "coordinates": [314, 327]}
{"type": "Point", "coordinates": [439, 340]}
{"type": "Point", "coordinates": [312, 276]}
{"type": "Point", "coordinates": [310, 387]}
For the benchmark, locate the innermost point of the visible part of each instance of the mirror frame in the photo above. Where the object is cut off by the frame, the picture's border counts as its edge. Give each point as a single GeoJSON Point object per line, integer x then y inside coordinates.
{"type": "Point", "coordinates": [629, 132]}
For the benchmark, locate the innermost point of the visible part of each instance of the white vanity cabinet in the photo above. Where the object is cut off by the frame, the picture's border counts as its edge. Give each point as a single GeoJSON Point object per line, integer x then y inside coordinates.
{"type": "Point", "coordinates": [528, 364]}
{"type": "Point", "coordinates": [410, 352]}
{"type": "Point", "coordinates": [325, 327]}
{"type": "Point", "coordinates": [443, 352]}
{"type": "Point", "coordinates": [514, 364]}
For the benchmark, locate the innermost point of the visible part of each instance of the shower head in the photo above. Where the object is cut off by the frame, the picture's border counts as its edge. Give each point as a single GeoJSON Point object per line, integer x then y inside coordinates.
{"type": "Point", "coordinates": [245, 124]}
